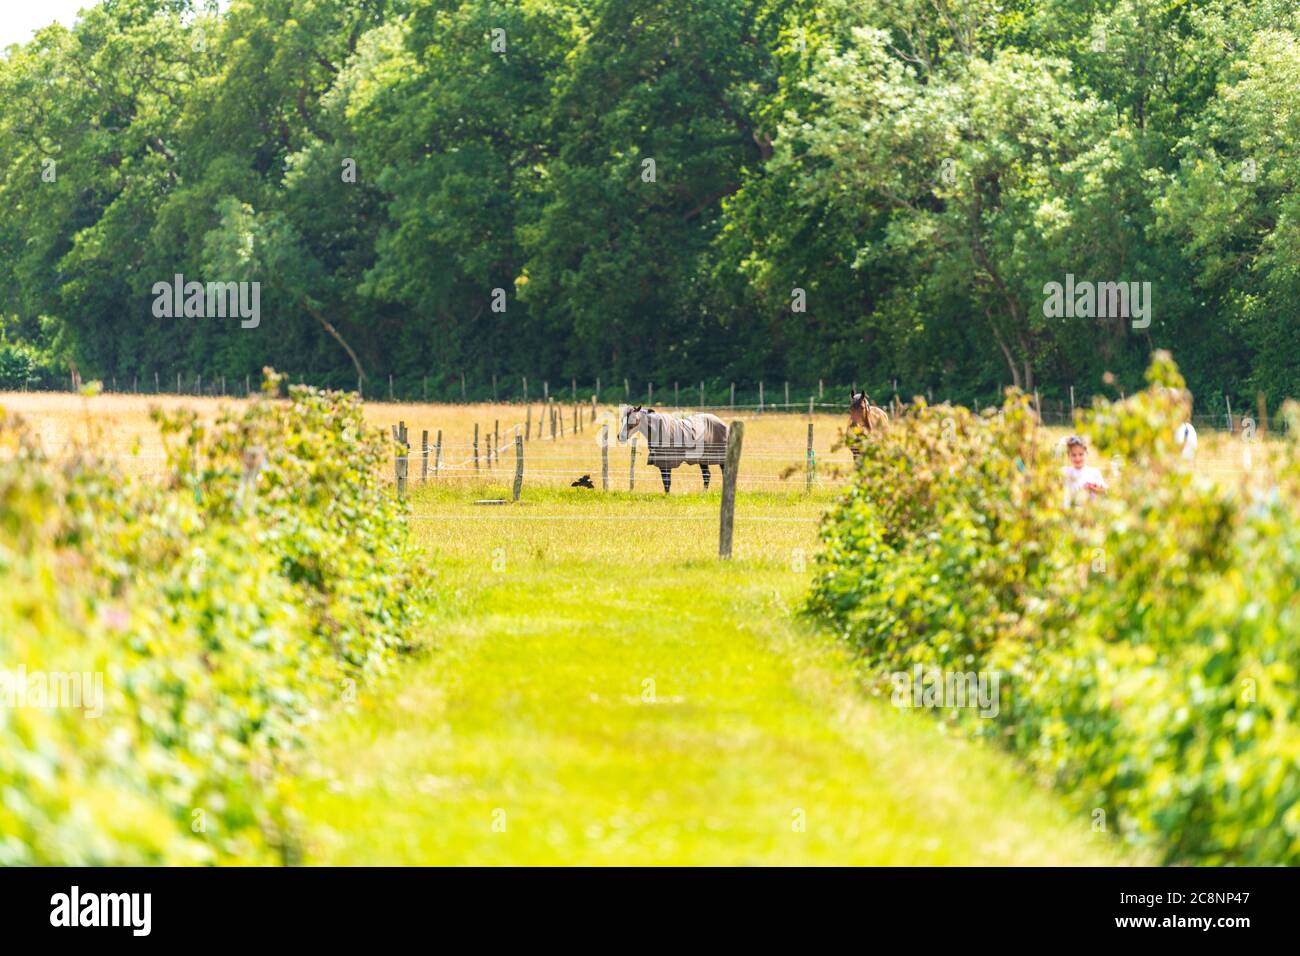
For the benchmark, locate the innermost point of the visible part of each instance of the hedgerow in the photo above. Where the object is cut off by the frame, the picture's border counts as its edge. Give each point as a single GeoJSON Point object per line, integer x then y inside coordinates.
{"type": "Point", "coordinates": [1147, 643]}
{"type": "Point", "coordinates": [222, 608]}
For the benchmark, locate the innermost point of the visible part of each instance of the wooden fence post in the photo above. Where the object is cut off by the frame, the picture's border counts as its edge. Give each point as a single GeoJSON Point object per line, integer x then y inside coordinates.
{"type": "Point", "coordinates": [604, 457]}
{"type": "Point", "coordinates": [1228, 402]}
{"type": "Point", "coordinates": [810, 407]}
{"type": "Point", "coordinates": [733, 395]}
{"type": "Point", "coordinates": [496, 437]}
{"type": "Point", "coordinates": [476, 446]}
{"type": "Point", "coordinates": [403, 458]}
{"type": "Point", "coordinates": [463, 393]}
{"type": "Point", "coordinates": [437, 455]}
{"type": "Point", "coordinates": [424, 388]}
{"type": "Point", "coordinates": [787, 395]}
{"type": "Point", "coordinates": [525, 378]}
{"type": "Point", "coordinates": [760, 394]}
{"type": "Point", "coordinates": [631, 467]}
{"type": "Point", "coordinates": [812, 466]}
{"type": "Point", "coordinates": [735, 436]}
{"type": "Point", "coordinates": [528, 425]}
{"type": "Point", "coordinates": [1071, 403]}
{"type": "Point", "coordinates": [424, 457]}
{"type": "Point", "coordinates": [519, 465]}
{"type": "Point", "coordinates": [820, 389]}
{"type": "Point", "coordinates": [390, 386]}
{"type": "Point", "coordinates": [552, 408]}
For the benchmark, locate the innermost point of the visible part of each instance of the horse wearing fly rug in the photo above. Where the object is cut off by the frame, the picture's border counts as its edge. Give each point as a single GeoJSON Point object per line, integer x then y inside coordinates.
{"type": "Point", "coordinates": [694, 440]}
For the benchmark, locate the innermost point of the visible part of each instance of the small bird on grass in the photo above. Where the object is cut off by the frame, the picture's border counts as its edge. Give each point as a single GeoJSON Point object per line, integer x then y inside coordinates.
{"type": "Point", "coordinates": [583, 482]}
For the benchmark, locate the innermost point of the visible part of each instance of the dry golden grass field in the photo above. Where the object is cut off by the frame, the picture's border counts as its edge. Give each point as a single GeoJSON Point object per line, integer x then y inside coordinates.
{"type": "Point", "coordinates": [774, 457]}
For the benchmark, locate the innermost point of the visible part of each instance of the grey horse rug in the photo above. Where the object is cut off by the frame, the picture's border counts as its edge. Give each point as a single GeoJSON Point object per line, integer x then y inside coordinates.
{"type": "Point", "coordinates": [694, 440]}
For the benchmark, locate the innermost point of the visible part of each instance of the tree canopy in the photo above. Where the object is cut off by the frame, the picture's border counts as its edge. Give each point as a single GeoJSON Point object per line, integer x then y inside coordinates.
{"type": "Point", "coordinates": [847, 190]}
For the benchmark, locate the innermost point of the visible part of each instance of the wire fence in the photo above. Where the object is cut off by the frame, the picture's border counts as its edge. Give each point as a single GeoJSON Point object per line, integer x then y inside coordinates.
{"type": "Point", "coordinates": [562, 445]}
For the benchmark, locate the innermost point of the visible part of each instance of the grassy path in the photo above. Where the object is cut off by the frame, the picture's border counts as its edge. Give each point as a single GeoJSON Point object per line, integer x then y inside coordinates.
{"type": "Point", "coordinates": [599, 691]}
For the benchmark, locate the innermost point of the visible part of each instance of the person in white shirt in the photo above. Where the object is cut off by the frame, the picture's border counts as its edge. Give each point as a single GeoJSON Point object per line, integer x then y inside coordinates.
{"type": "Point", "coordinates": [1080, 478]}
{"type": "Point", "coordinates": [1185, 435]}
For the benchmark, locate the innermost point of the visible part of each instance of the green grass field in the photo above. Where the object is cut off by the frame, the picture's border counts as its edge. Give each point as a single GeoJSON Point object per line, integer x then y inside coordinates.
{"type": "Point", "coordinates": [597, 688]}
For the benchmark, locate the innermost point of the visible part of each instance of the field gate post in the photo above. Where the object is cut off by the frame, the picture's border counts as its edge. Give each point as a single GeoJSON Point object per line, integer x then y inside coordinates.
{"type": "Point", "coordinates": [812, 465]}
{"type": "Point", "coordinates": [726, 524]}
{"type": "Point", "coordinates": [424, 457]}
{"type": "Point", "coordinates": [519, 465]}
{"type": "Point", "coordinates": [403, 458]}
{"type": "Point", "coordinates": [604, 457]}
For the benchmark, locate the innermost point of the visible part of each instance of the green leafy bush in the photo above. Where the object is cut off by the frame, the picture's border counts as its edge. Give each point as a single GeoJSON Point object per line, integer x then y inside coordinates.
{"type": "Point", "coordinates": [222, 609]}
{"type": "Point", "coordinates": [1147, 643]}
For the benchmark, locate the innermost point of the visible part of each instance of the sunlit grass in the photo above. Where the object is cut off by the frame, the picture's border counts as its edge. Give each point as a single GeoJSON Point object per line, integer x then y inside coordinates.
{"type": "Point", "coordinates": [599, 689]}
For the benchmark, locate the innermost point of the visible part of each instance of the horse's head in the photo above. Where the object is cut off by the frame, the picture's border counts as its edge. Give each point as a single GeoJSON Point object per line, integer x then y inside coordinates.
{"type": "Point", "coordinates": [632, 419]}
{"type": "Point", "coordinates": [859, 406]}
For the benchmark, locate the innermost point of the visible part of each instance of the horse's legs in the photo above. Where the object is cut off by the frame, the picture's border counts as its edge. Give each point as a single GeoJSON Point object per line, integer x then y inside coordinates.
{"type": "Point", "coordinates": [667, 475]}
{"type": "Point", "coordinates": [705, 468]}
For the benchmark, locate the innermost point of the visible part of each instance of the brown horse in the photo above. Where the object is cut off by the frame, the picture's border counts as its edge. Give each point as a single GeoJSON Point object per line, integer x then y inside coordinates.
{"type": "Point", "coordinates": [864, 418]}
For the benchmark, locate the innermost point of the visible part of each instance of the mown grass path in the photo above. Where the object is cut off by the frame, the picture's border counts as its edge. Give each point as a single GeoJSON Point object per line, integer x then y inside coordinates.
{"type": "Point", "coordinates": [599, 690]}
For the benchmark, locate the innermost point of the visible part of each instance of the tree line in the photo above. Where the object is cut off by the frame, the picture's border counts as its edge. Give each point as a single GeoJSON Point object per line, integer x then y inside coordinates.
{"type": "Point", "coordinates": [719, 190]}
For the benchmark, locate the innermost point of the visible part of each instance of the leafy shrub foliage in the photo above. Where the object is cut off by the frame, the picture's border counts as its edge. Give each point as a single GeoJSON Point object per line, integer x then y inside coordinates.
{"type": "Point", "coordinates": [223, 608]}
{"type": "Point", "coordinates": [1147, 642]}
